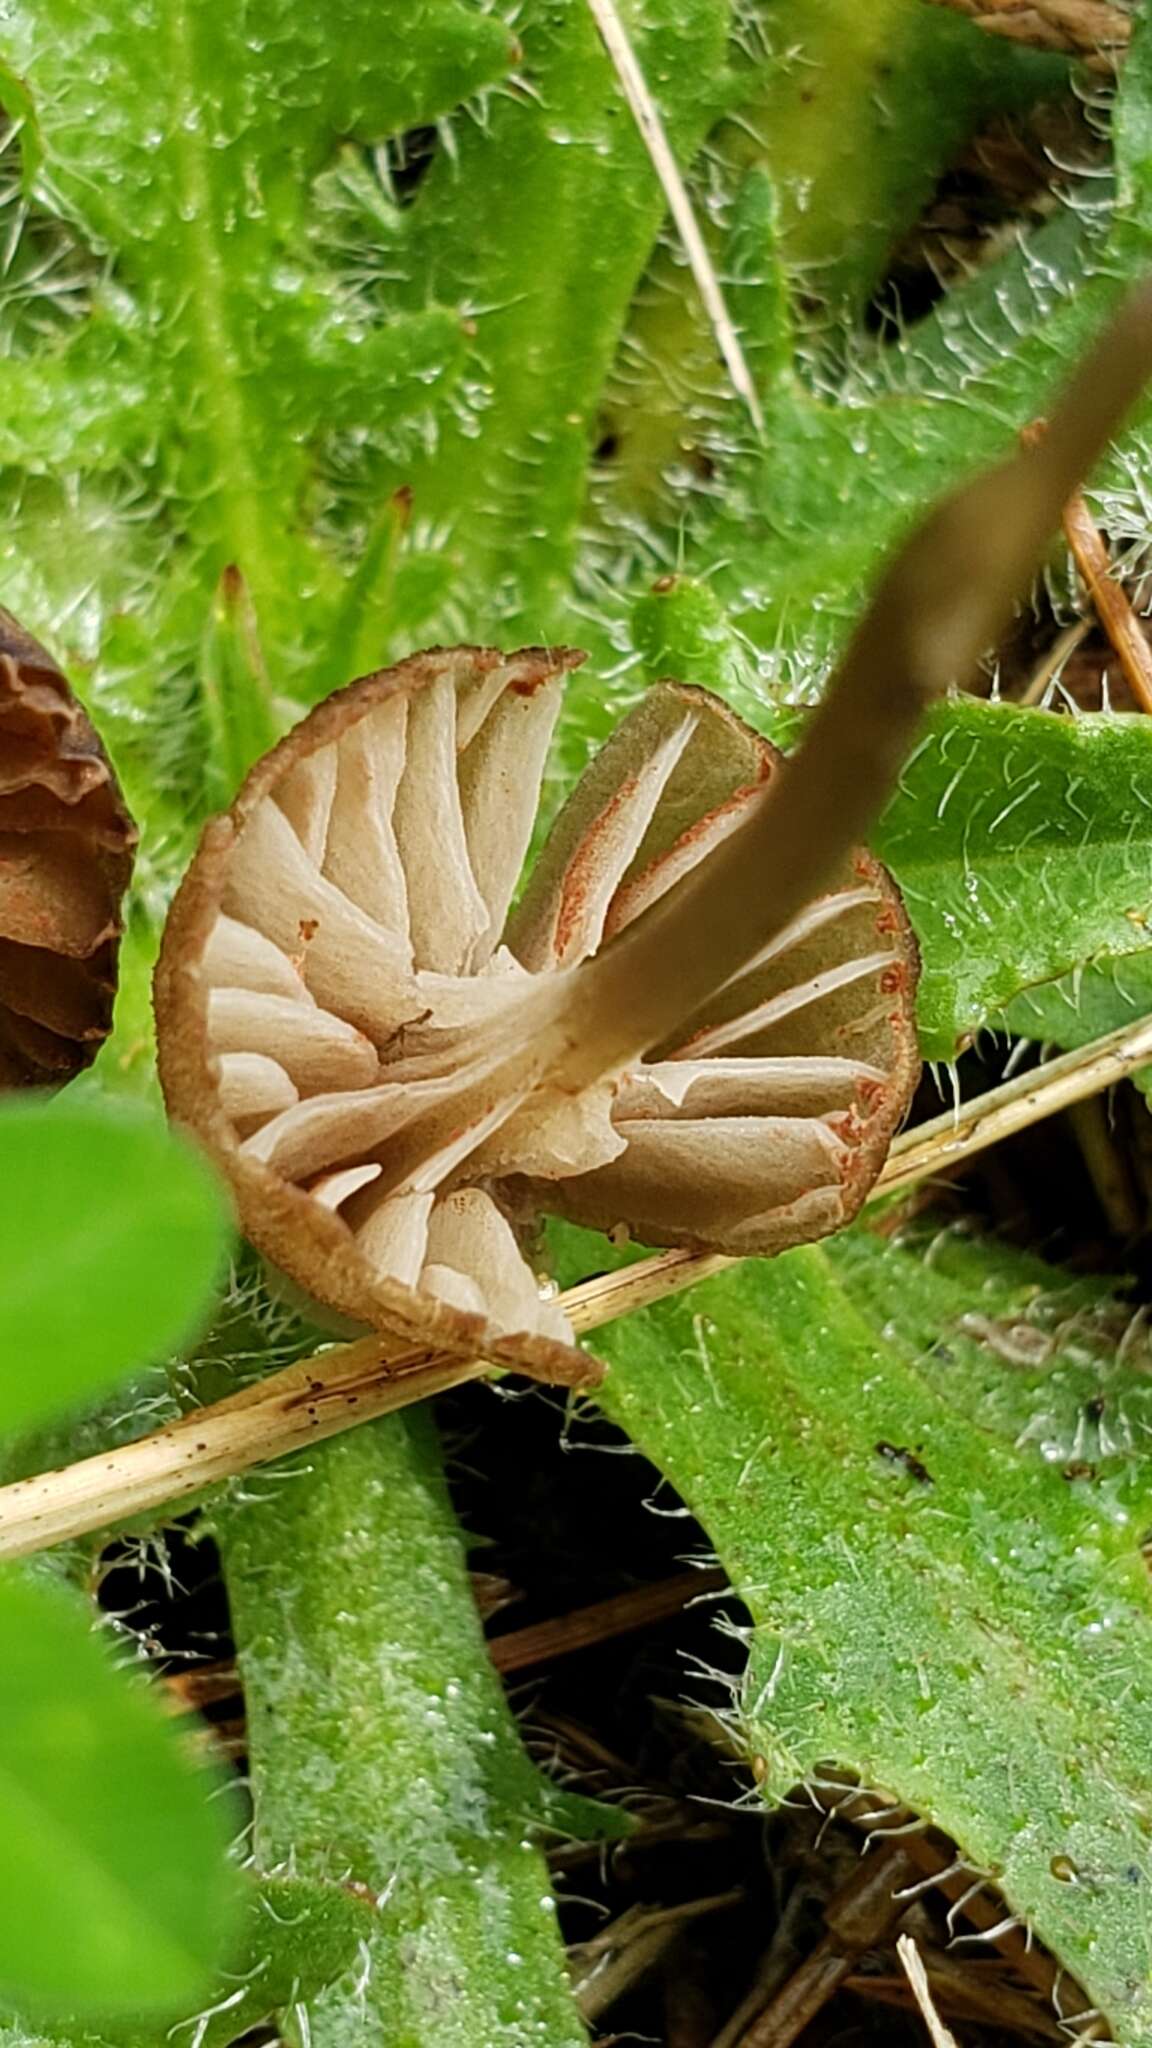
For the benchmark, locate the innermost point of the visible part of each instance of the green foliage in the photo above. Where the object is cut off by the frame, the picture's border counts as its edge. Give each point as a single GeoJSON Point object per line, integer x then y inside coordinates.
{"type": "Point", "coordinates": [114, 1234]}
{"type": "Point", "coordinates": [382, 1746]}
{"type": "Point", "coordinates": [272, 344]}
{"type": "Point", "coordinates": [939, 1545]}
{"type": "Point", "coordinates": [95, 1909]}
{"type": "Point", "coordinates": [855, 116]}
{"type": "Point", "coordinates": [1021, 843]}
{"type": "Point", "coordinates": [1086, 1004]}
{"type": "Point", "coordinates": [312, 325]}
{"type": "Point", "coordinates": [295, 1937]}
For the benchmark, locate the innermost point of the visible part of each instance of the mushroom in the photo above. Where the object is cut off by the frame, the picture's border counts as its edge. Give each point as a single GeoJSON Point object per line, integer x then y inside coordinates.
{"type": "Point", "coordinates": [697, 1023]}
{"type": "Point", "coordinates": [66, 850]}
{"type": "Point", "coordinates": [399, 1077]}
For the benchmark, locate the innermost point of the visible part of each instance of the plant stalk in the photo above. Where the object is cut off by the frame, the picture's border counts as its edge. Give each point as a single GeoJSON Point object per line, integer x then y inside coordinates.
{"type": "Point", "coordinates": [353, 1383]}
{"type": "Point", "coordinates": [383, 1754]}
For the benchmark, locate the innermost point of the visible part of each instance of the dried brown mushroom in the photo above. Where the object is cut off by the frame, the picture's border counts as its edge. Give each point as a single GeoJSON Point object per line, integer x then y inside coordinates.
{"type": "Point", "coordinates": [398, 1078]}
{"type": "Point", "coordinates": [66, 848]}
{"type": "Point", "coordinates": [1094, 29]}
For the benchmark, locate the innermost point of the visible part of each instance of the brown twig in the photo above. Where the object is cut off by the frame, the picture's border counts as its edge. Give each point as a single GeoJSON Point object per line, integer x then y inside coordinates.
{"type": "Point", "coordinates": [980, 1992]}
{"type": "Point", "coordinates": [1110, 599]}
{"type": "Point", "coordinates": [1113, 609]}
{"type": "Point", "coordinates": [858, 1916]}
{"type": "Point", "coordinates": [586, 1626]}
{"type": "Point", "coordinates": [1051, 663]}
{"type": "Point", "coordinates": [782, 1957]}
{"type": "Point", "coordinates": [205, 1685]}
{"type": "Point", "coordinates": [617, 1958]}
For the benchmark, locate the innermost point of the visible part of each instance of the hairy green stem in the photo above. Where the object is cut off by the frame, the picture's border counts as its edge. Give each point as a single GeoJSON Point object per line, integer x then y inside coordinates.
{"type": "Point", "coordinates": [383, 1752]}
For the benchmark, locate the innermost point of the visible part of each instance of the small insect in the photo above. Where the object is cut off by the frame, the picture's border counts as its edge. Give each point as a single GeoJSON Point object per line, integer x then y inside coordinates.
{"type": "Point", "coordinates": [898, 1454]}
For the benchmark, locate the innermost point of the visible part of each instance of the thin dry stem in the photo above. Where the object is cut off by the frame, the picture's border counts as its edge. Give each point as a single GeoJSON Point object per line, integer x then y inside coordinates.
{"type": "Point", "coordinates": [1051, 663]}
{"type": "Point", "coordinates": [353, 1383]}
{"type": "Point", "coordinates": [912, 1964]}
{"type": "Point", "coordinates": [1110, 599]}
{"type": "Point", "coordinates": [544, 1641]}
{"type": "Point", "coordinates": [952, 1139]}
{"type": "Point", "coordinates": [647, 117]}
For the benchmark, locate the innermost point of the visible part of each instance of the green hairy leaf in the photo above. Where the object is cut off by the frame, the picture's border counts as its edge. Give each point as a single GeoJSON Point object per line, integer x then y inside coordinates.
{"type": "Point", "coordinates": [1022, 845]}
{"type": "Point", "coordinates": [925, 1475]}
{"type": "Point", "coordinates": [382, 1746]}
{"type": "Point", "coordinates": [1087, 1003]}
{"type": "Point", "coordinates": [295, 1936]}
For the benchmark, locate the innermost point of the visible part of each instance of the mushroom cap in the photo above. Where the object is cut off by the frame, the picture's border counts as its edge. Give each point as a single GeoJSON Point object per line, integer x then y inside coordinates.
{"type": "Point", "coordinates": [66, 850]}
{"type": "Point", "coordinates": [378, 1055]}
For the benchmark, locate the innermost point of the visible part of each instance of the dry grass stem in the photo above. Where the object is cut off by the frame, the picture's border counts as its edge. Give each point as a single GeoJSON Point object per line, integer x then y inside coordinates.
{"type": "Point", "coordinates": [616, 1959]}
{"type": "Point", "coordinates": [639, 1608]}
{"type": "Point", "coordinates": [647, 116]}
{"type": "Point", "coordinates": [1049, 667]}
{"type": "Point", "coordinates": [913, 1966]}
{"type": "Point", "coordinates": [950, 1140]}
{"type": "Point", "coordinates": [1110, 599]}
{"type": "Point", "coordinates": [353, 1383]}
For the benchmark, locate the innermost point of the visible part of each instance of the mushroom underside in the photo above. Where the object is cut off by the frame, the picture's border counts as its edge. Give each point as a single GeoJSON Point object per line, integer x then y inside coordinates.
{"type": "Point", "coordinates": [376, 1050]}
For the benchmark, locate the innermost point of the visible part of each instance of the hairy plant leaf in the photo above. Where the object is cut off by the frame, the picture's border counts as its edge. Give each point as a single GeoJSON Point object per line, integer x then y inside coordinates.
{"type": "Point", "coordinates": [1021, 844]}
{"type": "Point", "coordinates": [113, 1888]}
{"type": "Point", "coordinates": [853, 447]}
{"type": "Point", "coordinates": [382, 1749]}
{"type": "Point", "coordinates": [220, 352]}
{"type": "Point", "coordinates": [579, 206]}
{"type": "Point", "coordinates": [854, 167]}
{"type": "Point", "coordinates": [114, 1233]}
{"type": "Point", "coordinates": [840, 127]}
{"type": "Point", "coordinates": [1101, 997]}
{"type": "Point", "coordinates": [681, 629]}
{"type": "Point", "coordinates": [941, 1554]}
{"type": "Point", "coordinates": [276, 341]}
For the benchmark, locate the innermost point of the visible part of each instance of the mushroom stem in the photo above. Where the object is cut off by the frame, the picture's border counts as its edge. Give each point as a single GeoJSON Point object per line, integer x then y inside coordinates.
{"type": "Point", "coordinates": [946, 598]}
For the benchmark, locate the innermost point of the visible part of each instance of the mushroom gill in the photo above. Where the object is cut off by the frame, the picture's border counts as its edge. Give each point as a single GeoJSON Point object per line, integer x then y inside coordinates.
{"type": "Point", "coordinates": [66, 849]}
{"type": "Point", "coordinates": [398, 1076]}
